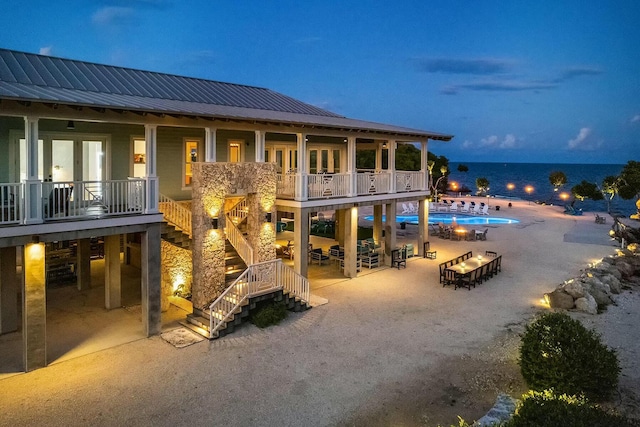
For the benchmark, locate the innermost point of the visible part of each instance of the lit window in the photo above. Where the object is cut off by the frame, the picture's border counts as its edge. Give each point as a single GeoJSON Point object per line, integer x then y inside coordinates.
{"type": "Point", "coordinates": [190, 156]}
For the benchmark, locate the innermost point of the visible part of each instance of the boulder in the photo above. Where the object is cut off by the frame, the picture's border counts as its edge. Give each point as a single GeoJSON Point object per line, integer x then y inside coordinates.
{"type": "Point", "coordinates": [599, 291]}
{"type": "Point", "coordinates": [560, 299]}
{"type": "Point", "coordinates": [612, 281]}
{"type": "Point", "coordinates": [574, 288]}
{"type": "Point", "coordinates": [607, 260]}
{"type": "Point", "coordinates": [605, 268]}
{"type": "Point", "coordinates": [626, 269]}
{"type": "Point", "coordinates": [587, 304]}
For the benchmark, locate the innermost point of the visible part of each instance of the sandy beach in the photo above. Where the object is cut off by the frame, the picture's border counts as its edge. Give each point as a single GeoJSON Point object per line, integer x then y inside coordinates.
{"type": "Point", "coordinates": [392, 347]}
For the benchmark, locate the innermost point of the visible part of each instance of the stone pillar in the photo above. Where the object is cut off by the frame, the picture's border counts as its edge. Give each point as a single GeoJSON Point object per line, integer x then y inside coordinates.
{"type": "Point", "coordinates": [112, 277]}
{"type": "Point", "coordinates": [83, 262]}
{"type": "Point", "coordinates": [340, 226]}
{"type": "Point", "coordinates": [210, 145]}
{"type": "Point", "coordinates": [34, 307]}
{"type": "Point", "coordinates": [423, 225]}
{"type": "Point", "coordinates": [301, 241]}
{"type": "Point", "coordinates": [389, 231]}
{"type": "Point", "coordinates": [151, 285]}
{"type": "Point", "coordinates": [8, 291]}
{"type": "Point", "coordinates": [351, 242]}
{"type": "Point", "coordinates": [377, 224]}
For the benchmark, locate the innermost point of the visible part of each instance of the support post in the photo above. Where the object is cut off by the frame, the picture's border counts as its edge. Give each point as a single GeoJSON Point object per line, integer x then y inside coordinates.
{"type": "Point", "coordinates": [34, 307]}
{"type": "Point", "coordinates": [301, 241]}
{"type": "Point", "coordinates": [151, 168]}
{"type": "Point", "coordinates": [389, 231]}
{"type": "Point", "coordinates": [302, 192]}
{"type": "Point", "coordinates": [83, 258]}
{"type": "Point", "coordinates": [8, 291]}
{"type": "Point", "coordinates": [112, 275]}
{"type": "Point", "coordinates": [423, 225]}
{"type": "Point", "coordinates": [33, 185]}
{"type": "Point", "coordinates": [210, 145]}
{"type": "Point", "coordinates": [151, 284]}
{"type": "Point", "coordinates": [351, 242]}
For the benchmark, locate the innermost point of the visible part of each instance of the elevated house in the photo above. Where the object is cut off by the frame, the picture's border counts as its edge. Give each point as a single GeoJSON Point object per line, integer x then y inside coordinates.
{"type": "Point", "coordinates": [175, 173]}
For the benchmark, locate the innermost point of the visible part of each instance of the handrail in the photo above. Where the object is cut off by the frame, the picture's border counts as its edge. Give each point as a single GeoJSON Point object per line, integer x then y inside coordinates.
{"type": "Point", "coordinates": [238, 212]}
{"type": "Point", "coordinates": [257, 279]}
{"type": "Point", "coordinates": [238, 241]}
{"type": "Point", "coordinates": [176, 214]}
{"type": "Point", "coordinates": [11, 203]}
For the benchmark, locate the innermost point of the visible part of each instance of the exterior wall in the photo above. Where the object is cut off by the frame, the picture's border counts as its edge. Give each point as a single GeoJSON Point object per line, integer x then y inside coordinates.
{"type": "Point", "coordinates": [176, 272]}
{"type": "Point", "coordinates": [212, 183]}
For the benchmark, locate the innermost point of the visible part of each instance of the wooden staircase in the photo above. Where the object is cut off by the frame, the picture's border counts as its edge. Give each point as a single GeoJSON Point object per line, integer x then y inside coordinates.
{"type": "Point", "coordinates": [175, 235]}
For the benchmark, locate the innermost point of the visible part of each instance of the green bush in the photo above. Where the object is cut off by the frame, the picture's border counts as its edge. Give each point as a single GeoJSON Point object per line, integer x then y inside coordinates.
{"type": "Point", "coordinates": [547, 409]}
{"type": "Point", "coordinates": [269, 314]}
{"type": "Point", "coordinates": [559, 353]}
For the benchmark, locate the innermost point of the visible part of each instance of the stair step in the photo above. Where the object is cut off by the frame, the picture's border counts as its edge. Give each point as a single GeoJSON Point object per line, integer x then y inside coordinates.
{"type": "Point", "coordinates": [198, 330]}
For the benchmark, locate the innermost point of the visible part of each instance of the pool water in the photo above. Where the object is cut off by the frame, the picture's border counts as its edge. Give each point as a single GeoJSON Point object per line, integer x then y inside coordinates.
{"type": "Point", "coordinates": [448, 218]}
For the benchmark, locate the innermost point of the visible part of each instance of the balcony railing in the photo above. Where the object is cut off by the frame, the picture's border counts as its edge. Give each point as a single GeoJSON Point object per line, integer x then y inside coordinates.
{"type": "Point", "coordinates": [74, 200]}
{"type": "Point", "coordinates": [326, 186]}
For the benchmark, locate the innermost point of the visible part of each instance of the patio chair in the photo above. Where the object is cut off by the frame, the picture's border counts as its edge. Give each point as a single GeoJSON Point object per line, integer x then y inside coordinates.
{"type": "Point", "coordinates": [481, 235]}
{"type": "Point", "coordinates": [427, 252]}
{"type": "Point", "coordinates": [491, 254]}
{"type": "Point", "coordinates": [405, 209]}
{"type": "Point", "coordinates": [449, 278]}
{"type": "Point", "coordinates": [454, 206]}
{"type": "Point", "coordinates": [371, 260]}
{"type": "Point", "coordinates": [399, 258]}
{"type": "Point", "coordinates": [59, 201]}
{"type": "Point", "coordinates": [319, 256]}
{"type": "Point", "coordinates": [464, 207]}
{"type": "Point", "coordinates": [476, 209]}
{"type": "Point", "coordinates": [466, 280]}
{"type": "Point", "coordinates": [485, 210]}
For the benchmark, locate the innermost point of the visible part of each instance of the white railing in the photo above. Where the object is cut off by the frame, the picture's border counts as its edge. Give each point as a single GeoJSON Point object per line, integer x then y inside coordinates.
{"type": "Point", "coordinates": [329, 185]}
{"type": "Point", "coordinates": [373, 183]}
{"type": "Point", "coordinates": [286, 185]}
{"type": "Point", "coordinates": [238, 241]}
{"type": "Point", "coordinates": [81, 199]}
{"type": "Point", "coordinates": [11, 203]}
{"type": "Point", "coordinates": [176, 214]}
{"type": "Point", "coordinates": [409, 181]}
{"type": "Point", "coordinates": [236, 215]}
{"type": "Point", "coordinates": [256, 280]}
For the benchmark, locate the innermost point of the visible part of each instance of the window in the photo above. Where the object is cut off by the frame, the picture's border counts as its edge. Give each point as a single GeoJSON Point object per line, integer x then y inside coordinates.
{"type": "Point", "coordinates": [235, 154]}
{"type": "Point", "coordinates": [190, 157]}
{"type": "Point", "coordinates": [139, 158]}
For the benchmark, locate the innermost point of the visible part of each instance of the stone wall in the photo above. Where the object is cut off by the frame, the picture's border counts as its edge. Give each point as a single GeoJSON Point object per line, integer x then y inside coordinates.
{"type": "Point", "coordinates": [176, 271]}
{"type": "Point", "coordinates": [213, 184]}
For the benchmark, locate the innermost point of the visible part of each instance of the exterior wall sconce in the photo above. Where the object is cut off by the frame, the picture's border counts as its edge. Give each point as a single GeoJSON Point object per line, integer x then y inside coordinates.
{"type": "Point", "coordinates": [267, 217]}
{"type": "Point", "coordinates": [384, 144]}
{"type": "Point", "coordinates": [214, 223]}
{"type": "Point", "coordinates": [71, 125]}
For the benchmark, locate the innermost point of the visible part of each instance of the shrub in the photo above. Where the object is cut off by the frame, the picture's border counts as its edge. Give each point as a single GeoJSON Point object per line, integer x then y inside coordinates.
{"type": "Point", "coordinates": [269, 314]}
{"type": "Point", "coordinates": [547, 409]}
{"type": "Point", "coordinates": [559, 353]}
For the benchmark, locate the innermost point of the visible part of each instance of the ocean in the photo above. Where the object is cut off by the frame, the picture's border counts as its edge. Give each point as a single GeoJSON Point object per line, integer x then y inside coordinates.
{"type": "Point", "coordinates": [537, 176]}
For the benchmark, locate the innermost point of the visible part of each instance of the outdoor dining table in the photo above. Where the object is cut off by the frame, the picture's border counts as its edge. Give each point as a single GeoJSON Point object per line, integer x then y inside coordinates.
{"type": "Point", "coordinates": [469, 265]}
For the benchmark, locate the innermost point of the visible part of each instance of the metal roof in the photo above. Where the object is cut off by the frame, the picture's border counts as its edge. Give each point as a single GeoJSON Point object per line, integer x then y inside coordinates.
{"type": "Point", "coordinates": [31, 77]}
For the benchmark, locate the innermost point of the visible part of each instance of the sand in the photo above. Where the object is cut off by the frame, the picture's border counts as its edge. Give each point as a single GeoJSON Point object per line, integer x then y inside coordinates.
{"type": "Point", "coordinates": [392, 347]}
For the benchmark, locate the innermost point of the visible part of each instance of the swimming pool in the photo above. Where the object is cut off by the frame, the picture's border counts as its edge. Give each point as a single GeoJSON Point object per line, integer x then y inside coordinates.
{"type": "Point", "coordinates": [448, 218]}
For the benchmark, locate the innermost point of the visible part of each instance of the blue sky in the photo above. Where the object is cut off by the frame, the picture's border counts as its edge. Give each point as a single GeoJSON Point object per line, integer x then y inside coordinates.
{"type": "Point", "coordinates": [514, 81]}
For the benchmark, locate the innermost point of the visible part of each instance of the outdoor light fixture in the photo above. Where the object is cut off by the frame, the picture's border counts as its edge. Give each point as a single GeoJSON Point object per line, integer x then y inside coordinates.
{"type": "Point", "coordinates": [35, 239]}
{"type": "Point", "coordinates": [214, 223]}
{"type": "Point", "coordinates": [267, 217]}
{"type": "Point", "coordinates": [384, 144]}
{"type": "Point", "coordinates": [71, 125]}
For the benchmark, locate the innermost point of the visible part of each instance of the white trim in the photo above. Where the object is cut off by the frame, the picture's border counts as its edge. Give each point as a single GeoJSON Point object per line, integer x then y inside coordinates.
{"type": "Point", "coordinates": [199, 158]}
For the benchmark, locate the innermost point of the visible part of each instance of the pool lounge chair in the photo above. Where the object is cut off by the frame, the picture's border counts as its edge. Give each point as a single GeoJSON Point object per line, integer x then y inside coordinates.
{"type": "Point", "coordinates": [485, 210]}
{"type": "Point", "coordinates": [464, 207]}
{"type": "Point", "coordinates": [476, 209]}
{"type": "Point", "coordinates": [454, 206]}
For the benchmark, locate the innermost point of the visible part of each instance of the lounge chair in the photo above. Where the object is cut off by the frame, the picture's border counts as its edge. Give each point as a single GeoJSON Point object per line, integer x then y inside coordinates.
{"type": "Point", "coordinates": [485, 210]}
{"type": "Point", "coordinates": [59, 201]}
{"type": "Point", "coordinates": [464, 207]}
{"type": "Point", "coordinates": [319, 256]}
{"type": "Point", "coordinates": [454, 206]}
{"type": "Point", "coordinates": [476, 209]}
{"type": "Point", "coordinates": [600, 219]}
{"type": "Point", "coordinates": [405, 209]}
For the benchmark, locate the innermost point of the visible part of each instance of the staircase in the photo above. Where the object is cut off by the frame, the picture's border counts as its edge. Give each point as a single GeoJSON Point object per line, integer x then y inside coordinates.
{"type": "Point", "coordinates": [175, 235]}
{"type": "Point", "coordinates": [269, 280]}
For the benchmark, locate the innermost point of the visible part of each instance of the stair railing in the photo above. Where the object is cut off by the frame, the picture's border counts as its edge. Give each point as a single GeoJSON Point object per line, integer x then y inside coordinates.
{"type": "Point", "coordinates": [239, 242]}
{"type": "Point", "coordinates": [257, 279]}
{"type": "Point", "coordinates": [175, 213]}
{"type": "Point", "coordinates": [236, 215]}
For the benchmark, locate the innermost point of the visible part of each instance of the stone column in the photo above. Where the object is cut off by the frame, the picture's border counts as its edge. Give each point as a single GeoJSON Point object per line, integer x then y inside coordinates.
{"type": "Point", "coordinates": [351, 242]}
{"type": "Point", "coordinates": [34, 307]}
{"type": "Point", "coordinates": [83, 263]}
{"type": "Point", "coordinates": [301, 241]}
{"type": "Point", "coordinates": [389, 231]}
{"type": "Point", "coordinates": [112, 276]}
{"type": "Point", "coordinates": [150, 283]}
{"type": "Point", "coordinates": [8, 291]}
{"type": "Point", "coordinates": [340, 226]}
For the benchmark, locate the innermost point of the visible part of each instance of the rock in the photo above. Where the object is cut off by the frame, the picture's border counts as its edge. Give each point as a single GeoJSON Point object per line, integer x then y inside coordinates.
{"type": "Point", "coordinates": [587, 304]}
{"type": "Point", "coordinates": [598, 290]}
{"type": "Point", "coordinates": [613, 283]}
{"type": "Point", "coordinates": [560, 299]}
{"type": "Point", "coordinates": [605, 268]}
{"type": "Point", "coordinates": [634, 247]}
{"type": "Point", "coordinates": [502, 411]}
{"type": "Point", "coordinates": [574, 288]}
{"type": "Point", "coordinates": [626, 269]}
{"type": "Point", "coordinates": [607, 260]}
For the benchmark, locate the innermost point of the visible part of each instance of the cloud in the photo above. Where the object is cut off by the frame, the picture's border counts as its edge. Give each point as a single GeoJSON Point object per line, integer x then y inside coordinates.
{"type": "Point", "coordinates": [635, 118]}
{"type": "Point", "coordinates": [497, 86]}
{"type": "Point", "coordinates": [494, 142]}
{"type": "Point", "coordinates": [580, 139]}
{"type": "Point", "coordinates": [462, 66]}
{"type": "Point", "coordinates": [112, 15]}
{"type": "Point", "coordinates": [46, 50]}
{"type": "Point", "coordinates": [573, 72]}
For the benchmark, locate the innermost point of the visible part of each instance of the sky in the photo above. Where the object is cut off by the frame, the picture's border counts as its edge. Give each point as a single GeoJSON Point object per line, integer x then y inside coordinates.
{"type": "Point", "coordinates": [546, 81]}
